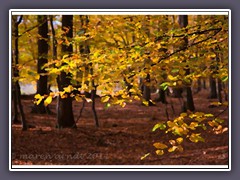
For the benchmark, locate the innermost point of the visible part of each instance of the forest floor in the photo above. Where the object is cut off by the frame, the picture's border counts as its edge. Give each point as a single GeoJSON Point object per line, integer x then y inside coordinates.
{"type": "Point", "coordinates": [124, 136]}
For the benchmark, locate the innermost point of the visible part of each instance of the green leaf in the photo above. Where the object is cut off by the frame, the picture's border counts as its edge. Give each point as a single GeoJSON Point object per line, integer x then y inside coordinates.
{"type": "Point", "coordinates": [219, 120]}
{"type": "Point", "coordinates": [175, 70]}
{"type": "Point", "coordinates": [156, 126]}
{"type": "Point", "coordinates": [161, 126]}
{"type": "Point", "coordinates": [107, 105]}
{"type": "Point", "coordinates": [224, 78]}
{"type": "Point", "coordinates": [164, 85]}
{"type": "Point", "coordinates": [196, 138]}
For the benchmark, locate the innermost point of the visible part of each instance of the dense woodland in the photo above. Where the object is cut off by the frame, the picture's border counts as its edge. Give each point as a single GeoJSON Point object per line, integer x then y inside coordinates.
{"type": "Point", "coordinates": [120, 89]}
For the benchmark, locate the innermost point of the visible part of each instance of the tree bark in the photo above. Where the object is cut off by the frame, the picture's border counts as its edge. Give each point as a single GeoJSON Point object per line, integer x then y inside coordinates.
{"type": "Point", "coordinates": [16, 74]}
{"type": "Point", "coordinates": [213, 88]}
{"type": "Point", "coordinates": [188, 101]}
{"type": "Point", "coordinates": [42, 83]}
{"type": "Point", "coordinates": [65, 118]}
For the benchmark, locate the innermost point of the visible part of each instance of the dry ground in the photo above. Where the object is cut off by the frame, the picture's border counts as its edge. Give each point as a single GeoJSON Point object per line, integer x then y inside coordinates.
{"type": "Point", "coordinates": [123, 137]}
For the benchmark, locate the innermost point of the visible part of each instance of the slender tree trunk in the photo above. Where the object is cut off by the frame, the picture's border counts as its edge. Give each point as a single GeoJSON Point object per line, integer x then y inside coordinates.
{"type": "Point", "coordinates": [65, 116]}
{"type": "Point", "coordinates": [16, 74]}
{"type": "Point", "coordinates": [162, 96]}
{"type": "Point", "coordinates": [14, 98]}
{"type": "Point", "coordinates": [199, 85]}
{"type": "Point", "coordinates": [147, 90]}
{"type": "Point", "coordinates": [188, 101]}
{"type": "Point", "coordinates": [42, 83]}
{"type": "Point", "coordinates": [213, 88]}
{"type": "Point", "coordinates": [84, 49]}
{"type": "Point", "coordinates": [219, 91]}
{"type": "Point", "coordinates": [204, 84]}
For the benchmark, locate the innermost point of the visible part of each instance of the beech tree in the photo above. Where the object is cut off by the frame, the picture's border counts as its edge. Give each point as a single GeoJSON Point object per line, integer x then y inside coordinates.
{"type": "Point", "coordinates": [42, 83]}
{"type": "Point", "coordinates": [16, 20]}
{"type": "Point", "coordinates": [65, 116]}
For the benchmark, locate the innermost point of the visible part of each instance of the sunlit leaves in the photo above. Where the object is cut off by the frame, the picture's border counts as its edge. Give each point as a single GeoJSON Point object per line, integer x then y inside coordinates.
{"type": "Point", "coordinates": [186, 127]}
{"type": "Point", "coordinates": [159, 152]}
{"type": "Point", "coordinates": [196, 138]}
{"type": "Point", "coordinates": [146, 155]}
{"type": "Point", "coordinates": [78, 98]}
{"type": "Point", "coordinates": [38, 98]}
{"type": "Point", "coordinates": [164, 86]}
{"type": "Point", "coordinates": [105, 99]}
{"type": "Point", "coordinates": [160, 126]}
{"type": "Point", "coordinates": [179, 140]}
{"type": "Point", "coordinates": [68, 89]}
{"type": "Point", "coordinates": [159, 145]}
{"type": "Point", "coordinates": [48, 100]}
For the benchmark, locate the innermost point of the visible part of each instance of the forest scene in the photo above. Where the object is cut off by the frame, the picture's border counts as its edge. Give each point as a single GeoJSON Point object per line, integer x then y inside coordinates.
{"type": "Point", "coordinates": [119, 89]}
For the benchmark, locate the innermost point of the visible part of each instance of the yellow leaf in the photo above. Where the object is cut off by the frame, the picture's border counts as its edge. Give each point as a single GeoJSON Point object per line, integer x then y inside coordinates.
{"type": "Point", "coordinates": [68, 89]}
{"type": "Point", "coordinates": [200, 114]}
{"type": "Point", "coordinates": [61, 93]}
{"type": "Point", "coordinates": [146, 155]}
{"type": "Point", "coordinates": [218, 128]}
{"type": "Point", "coordinates": [225, 103]}
{"type": "Point", "coordinates": [39, 101]}
{"type": "Point", "coordinates": [172, 149]}
{"type": "Point", "coordinates": [180, 148]}
{"type": "Point", "coordinates": [224, 129]}
{"type": "Point", "coordinates": [171, 78]}
{"type": "Point", "coordinates": [145, 102]}
{"type": "Point", "coordinates": [179, 140]}
{"type": "Point", "coordinates": [37, 96]}
{"type": "Point", "coordinates": [172, 142]}
{"type": "Point", "coordinates": [159, 145]}
{"type": "Point", "coordinates": [216, 103]}
{"type": "Point", "coordinates": [159, 152]}
{"type": "Point", "coordinates": [183, 114]}
{"type": "Point", "coordinates": [170, 124]}
{"type": "Point", "coordinates": [88, 100]}
{"type": "Point", "coordinates": [78, 99]}
{"type": "Point", "coordinates": [193, 125]}
{"type": "Point", "coordinates": [48, 100]}
{"type": "Point", "coordinates": [105, 99]}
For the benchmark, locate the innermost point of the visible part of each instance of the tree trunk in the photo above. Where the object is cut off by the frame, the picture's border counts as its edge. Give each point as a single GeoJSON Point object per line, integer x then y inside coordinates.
{"type": "Point", "coordinates": [16, 88]}
{"type": "Point", "coordinates": [219, 91]}
{"type": "Point", "coordinates": [213, 88]}
{"type": "Point", "coordinates": [199, 85]}
{"type": "Point", "coordinates": [162, 96]}
{"type": "Point", "coordinates": [188, 101]}
{"type": "Point", "coordinates": [147, 90]}
{"type": "Point", "coordinates": [65, 118]}
{"type": "Point", "coordinates": [42, 83]}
